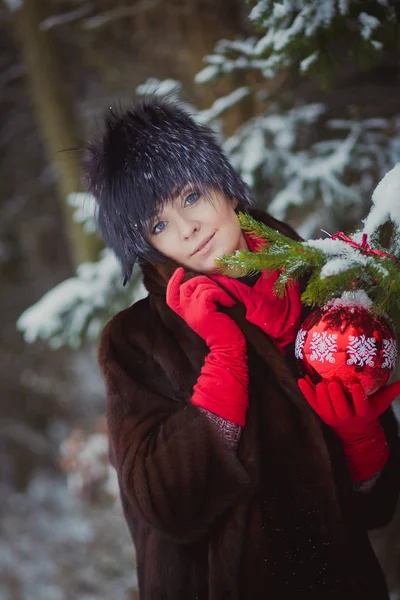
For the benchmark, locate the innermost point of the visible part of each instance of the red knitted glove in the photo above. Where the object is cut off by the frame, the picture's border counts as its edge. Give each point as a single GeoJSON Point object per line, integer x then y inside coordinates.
{"type": "Point", "coordinates": [354, 418]}
{"type": "Point", "coordinates": [222, 387]}
{"type": "Point", "coordinates": [277, 317]}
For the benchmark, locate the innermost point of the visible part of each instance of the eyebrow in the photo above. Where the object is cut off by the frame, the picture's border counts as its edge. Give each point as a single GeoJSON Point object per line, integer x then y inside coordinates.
{"type": "Point", "coordinates": [180, 191]}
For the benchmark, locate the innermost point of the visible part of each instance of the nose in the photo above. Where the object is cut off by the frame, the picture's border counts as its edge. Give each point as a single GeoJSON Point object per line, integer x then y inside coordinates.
{"type": "Point", "coordinates": [187, 227]}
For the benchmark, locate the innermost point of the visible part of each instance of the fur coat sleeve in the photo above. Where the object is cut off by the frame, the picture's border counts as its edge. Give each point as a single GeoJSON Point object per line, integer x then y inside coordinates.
{"type": "Point", "coordinates": [175, 470]}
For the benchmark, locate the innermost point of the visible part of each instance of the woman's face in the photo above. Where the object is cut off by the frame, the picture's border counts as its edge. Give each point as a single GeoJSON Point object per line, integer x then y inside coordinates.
{"type": "Point", "coordinates": [194, 229]}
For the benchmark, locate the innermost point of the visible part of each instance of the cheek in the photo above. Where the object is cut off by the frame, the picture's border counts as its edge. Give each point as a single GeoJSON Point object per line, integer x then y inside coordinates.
{"type": "Point", "coordinates": [172, 248]}
{"type": "Point", "coordinates": [233, 227]}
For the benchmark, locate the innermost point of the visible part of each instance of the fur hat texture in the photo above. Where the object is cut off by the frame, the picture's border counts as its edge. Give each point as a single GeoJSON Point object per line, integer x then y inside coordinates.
{"type": "Point", "coordinates": [142, 159]}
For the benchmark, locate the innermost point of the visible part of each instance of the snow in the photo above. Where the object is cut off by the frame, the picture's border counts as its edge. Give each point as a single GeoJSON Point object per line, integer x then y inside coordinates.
{"type": "Point", "coordinates": [356, 298]}
{"type": "Point", "coordinates": [377, 45]}
{"type": "Point", "coordinates": [222, 104]}
{"type": "Point", "coordinates": [282, 38]}
{"type": "Point", "coordinates": [368, 25]}
{"type": "Point", "coordinates": [258, 10]}
{"type": "Point", "coordinates": [386, 202]}
{"type": "Point", "coordinates": [290, 29]}
{"type": "Point", "coordinates": [13, 5]}
{"type": "Point", "coordinates": [206, 74]}
{"type": "Point", "coordinates": [85, 206]}
{"type": "Point", "coordinates": [329, 246]}
{"type": "Point", "coordinates": [308, 226]}
{"type": "Point", "coordinates": [343, 6]}
{"type": "Point", "coordinates": [300, 173]}
{"type": "Point", "coordinates": [291, 195]}
{"type": "Point", "coordinates": [53, 546]}
{"type": "Point", "coordinates": [155, 87]}
{"type": "Point", "coordinates": [336, 266]}
{"type": "Point", "coordinates": [245, 47]}
{"type": "Point", "coordinates": [79, 306]}
{"type": "Point", "coordinates": [67, 17]}
{"type": "Point", "coordinates": [306, 63]}
{"type": "Point", "coordinates": [314, 172]}
{"type": "Point", "coordinates": [296, 173]}
{"type": "Point", "coordinates": [341, 256]}
{"type": "Point", "coordinates": [101, 19]}
{"type": "Point", "coordinates": [253, 151]}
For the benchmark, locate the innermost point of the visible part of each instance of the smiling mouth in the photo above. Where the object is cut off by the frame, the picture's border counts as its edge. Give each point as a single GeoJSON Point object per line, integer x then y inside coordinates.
{"type": "Point", "coordinates": [203, 244]}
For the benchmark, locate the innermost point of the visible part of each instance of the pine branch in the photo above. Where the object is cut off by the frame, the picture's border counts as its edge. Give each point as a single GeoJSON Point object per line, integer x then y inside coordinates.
{"type": "Point", "coordinates": [337, 265]}
{"type": "Point", "coordinates": [280, 253]}
{"type": "Point", "coordinates": [316, 294]}
{"type": "Point", "coordinates": [241, 263]}
{"type": "Point", "coordinates": [258, 230]}
{"type": "Point", "coordinates": [385, 292]}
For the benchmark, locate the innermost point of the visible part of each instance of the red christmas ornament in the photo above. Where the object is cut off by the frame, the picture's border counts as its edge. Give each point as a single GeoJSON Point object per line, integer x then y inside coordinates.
{"type": "Point", "coordinates": [344, 340]}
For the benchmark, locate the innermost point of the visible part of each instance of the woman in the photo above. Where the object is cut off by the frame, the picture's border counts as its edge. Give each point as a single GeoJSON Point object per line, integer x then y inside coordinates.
{"type": "Point", "coordinates": [233, 487]}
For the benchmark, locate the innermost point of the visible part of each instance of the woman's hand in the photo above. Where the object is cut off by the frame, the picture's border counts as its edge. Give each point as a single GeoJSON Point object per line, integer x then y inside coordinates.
{"type": "Point", "coordinates": [354, 418]}
{"type": "Point", "coordinates": [277, 317]}
{"type": "Point", "coordinates": [222, 387]}
{"type": "Point", "coordinates": [196, 303]}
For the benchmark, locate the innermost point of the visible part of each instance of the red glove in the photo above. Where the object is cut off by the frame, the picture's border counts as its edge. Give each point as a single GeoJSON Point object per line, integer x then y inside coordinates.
{"type": "Point", "coordinates": [277, 317]}
{"type": "Point", "coordinates": [222, 387]}
{"type": "Point", "coordinates": [354, 418]}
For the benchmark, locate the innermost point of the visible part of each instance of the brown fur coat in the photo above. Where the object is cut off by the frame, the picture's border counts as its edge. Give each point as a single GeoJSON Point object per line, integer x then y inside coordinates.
{"type": "Point", "coordinates": [279, 518]}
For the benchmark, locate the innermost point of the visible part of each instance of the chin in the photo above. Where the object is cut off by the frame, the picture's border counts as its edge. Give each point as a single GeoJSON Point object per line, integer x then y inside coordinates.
{"type": "Point", "coordinates": [209, 266]}
{"type": "Point", "coordinates": [207, 269]}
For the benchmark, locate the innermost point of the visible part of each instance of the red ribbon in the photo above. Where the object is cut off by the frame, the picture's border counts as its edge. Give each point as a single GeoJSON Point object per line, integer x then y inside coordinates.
{"type": "Point", "coordinates": [364, 247]}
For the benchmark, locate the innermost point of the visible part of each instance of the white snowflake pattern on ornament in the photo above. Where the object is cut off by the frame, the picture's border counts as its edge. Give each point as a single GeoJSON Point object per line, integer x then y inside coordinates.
{"type": "Point", "coordinates": [299, 344]}
{"type": "Point", "coordinates": [389, 353]}
{"type": "Point", "coordinates": [361, 350]}
{"type": "Point", "coordinates": [323, 345]}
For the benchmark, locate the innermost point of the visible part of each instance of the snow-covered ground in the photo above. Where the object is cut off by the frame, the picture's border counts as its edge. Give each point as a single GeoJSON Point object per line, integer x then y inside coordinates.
{"type": "Point", "coordinates": [53, 546]}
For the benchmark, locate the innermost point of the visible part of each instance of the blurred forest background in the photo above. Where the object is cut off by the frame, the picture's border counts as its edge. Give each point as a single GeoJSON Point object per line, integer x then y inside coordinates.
{"type": "Point", "coordinates": [306, 99]}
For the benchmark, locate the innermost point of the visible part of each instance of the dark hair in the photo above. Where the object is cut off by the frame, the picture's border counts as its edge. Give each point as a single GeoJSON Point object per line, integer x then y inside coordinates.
{"type": "Point", "coordinates": [143, 158]}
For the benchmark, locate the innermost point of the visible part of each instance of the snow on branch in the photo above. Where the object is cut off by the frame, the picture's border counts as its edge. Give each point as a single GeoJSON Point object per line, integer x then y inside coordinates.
{"type": "Point", "coordinates": [277, 151]}
{"type": "Point", "coordinates": [85, 206]}
{"type": "Point", "coordinates": [14, 5]}
{"type": "Point", "coordinates": [67, 17]}
{"type": "Point", "coordinates": [120, 12]}
{"type": "Point", "coordinates": [78, 308]}
{"type": "Point", "coordinates": [222, 104]}
{"type": "Point", "coordinates": [289, 33]}
{"type": "Point", "coordinates": [156, 87]}
{"type": "Point", "coordinates": [386, 202]}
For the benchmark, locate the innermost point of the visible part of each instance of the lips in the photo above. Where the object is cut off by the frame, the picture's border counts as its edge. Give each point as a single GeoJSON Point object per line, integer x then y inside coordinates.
{"type": "Point", "coordinates": [203, 244]}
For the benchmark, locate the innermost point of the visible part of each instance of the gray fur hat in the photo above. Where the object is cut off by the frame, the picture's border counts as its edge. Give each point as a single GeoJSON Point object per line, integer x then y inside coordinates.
{"type": "Point", "coordinates": [144, 156]}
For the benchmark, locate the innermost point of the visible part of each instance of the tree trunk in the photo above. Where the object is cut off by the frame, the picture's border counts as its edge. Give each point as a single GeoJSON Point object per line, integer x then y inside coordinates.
{"type": "Point", "coordinates": [54, 107]}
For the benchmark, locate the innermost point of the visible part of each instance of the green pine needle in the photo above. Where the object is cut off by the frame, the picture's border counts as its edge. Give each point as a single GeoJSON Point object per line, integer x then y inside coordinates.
{"type": "Point", "coordinates": [378, 276]}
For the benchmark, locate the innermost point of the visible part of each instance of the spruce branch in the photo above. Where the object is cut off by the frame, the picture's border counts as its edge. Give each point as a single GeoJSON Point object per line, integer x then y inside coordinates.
{"type": "Point", "coordinates": [320, 291]}
{"type": "Point", "coordinates": [280, 253]}
{"type": "Point", "coordinates": [241, 263]}
{"type": "Point", "coordinates": [258, 230]}
{"type": "Point", "coordinates": [367, 259]}
{"type": "Point", "coordinates": [336, 266]}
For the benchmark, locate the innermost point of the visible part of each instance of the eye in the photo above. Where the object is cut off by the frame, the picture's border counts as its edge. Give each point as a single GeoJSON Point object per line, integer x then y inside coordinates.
{"type": "Point", "coordinates": [191, 198]}
{"type": "Point", "coordinates": [159, 227]}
